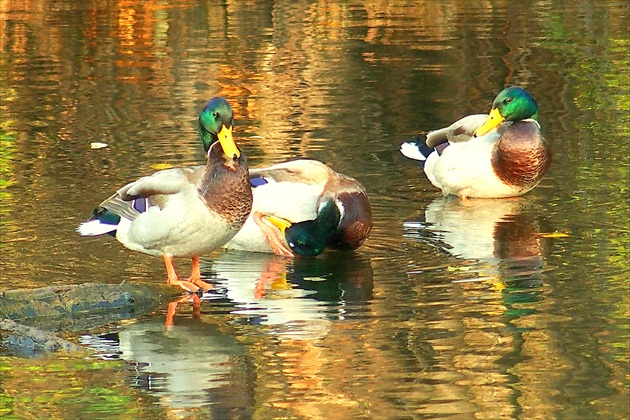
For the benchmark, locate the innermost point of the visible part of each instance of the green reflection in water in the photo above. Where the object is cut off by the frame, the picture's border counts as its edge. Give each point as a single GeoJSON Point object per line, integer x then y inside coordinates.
{"type": "Point", "coordinates": [8, 148]}
{"type": "Point", "coordinates": [8, 137]}
{"type": "Point", "coordinates": [68, 386]}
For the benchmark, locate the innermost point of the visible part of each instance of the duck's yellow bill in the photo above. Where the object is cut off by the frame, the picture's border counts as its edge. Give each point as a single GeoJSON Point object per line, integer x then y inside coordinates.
{"type": "Point", "coordinates": [227, 142]}
{"type": "Point", "coordinates": [278, 222]}
{"type": "Point", "coordinates": [493, 121]}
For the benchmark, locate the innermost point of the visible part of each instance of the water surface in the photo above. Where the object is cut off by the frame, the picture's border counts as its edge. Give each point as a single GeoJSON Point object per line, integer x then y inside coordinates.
{"type": "Point", "coordinates": [492, 309]}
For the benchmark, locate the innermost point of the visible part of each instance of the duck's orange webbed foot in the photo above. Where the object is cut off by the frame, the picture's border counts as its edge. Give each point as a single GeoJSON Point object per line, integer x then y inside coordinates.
{"type": "Point", "coordinates": [194, 282]}
{"type": "Point", "coordinates": [273, 228]}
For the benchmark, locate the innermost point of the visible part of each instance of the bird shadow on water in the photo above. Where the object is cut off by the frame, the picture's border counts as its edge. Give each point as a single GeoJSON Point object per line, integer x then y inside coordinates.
{"type": "Point", "coordinates": [193, 356]}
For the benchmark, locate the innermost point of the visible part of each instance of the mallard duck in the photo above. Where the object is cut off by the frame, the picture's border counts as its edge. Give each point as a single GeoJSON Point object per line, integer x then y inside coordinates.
{"type": "Point", "coordinates": [502, 154]}
{"type": "Point", "coordinates": [302, 207]}
{"type": "Point", "coordinates": [183, 212]}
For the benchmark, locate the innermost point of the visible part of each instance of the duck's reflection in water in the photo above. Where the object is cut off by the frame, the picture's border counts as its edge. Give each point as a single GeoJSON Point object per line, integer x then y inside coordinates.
{"type": "Point", "coordinates": [485, 302]}
{"type": "Point", "coordinates": [296, 298]}
{"type": "Point", "coordinates": [193, 365]}
{"type": "Point", "coordinates": [502, 236]}
{"type": "Point", "coordinates": [198, 359]}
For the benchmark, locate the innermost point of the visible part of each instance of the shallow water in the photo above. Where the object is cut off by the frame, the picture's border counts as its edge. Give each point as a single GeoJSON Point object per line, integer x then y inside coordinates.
{"type": "Point", "coordinates": [490, 309]}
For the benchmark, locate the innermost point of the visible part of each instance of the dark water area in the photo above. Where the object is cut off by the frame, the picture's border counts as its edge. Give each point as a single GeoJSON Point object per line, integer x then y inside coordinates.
{"type": "Point", "coordinates": [514, 308]}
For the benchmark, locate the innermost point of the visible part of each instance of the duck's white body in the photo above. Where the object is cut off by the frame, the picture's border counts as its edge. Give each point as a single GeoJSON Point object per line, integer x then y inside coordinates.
{"type": "Point", "coordinates": [182, 226]}
{"type": "Point", "coordinates": [465, 169]}
{"type": "Point", "coordinates": [284, 199]}
{"type": "Point", "coordinates": [175, 219]}
{"type": "Point", "coordinates": [467, 166]}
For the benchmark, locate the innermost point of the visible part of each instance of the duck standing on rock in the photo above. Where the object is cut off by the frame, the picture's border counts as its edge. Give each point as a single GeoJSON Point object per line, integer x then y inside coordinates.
{"type": "Point", "coordinates": [183, 212]}
{"type": "Point", "coordinates": [499, 155]}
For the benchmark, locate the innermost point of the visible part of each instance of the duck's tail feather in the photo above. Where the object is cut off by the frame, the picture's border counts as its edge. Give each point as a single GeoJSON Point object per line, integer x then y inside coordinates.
{"type": "Point", "coordinates": [95, 228]}
{"type": "Point", "coordinates": [103, 221]}
{"type": "Point", "coordinates": [113, 214]}
{"type": "Point", "coordinates": [416, 149]}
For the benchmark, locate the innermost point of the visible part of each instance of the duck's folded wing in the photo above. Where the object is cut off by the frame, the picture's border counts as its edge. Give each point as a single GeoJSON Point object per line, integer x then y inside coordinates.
{"type": "Point", "coordinates": [169, 181]}
{"type": "Point", "coordinates": [304, 171]}
{"type": "Point", "coordinates": [460, 130]}
{"type": "Point", "coordinates": [136, 197]}
{"type": "Point", "coordinates": [271, 173]}
{"type": "Point", "coordinates": [126, 209]}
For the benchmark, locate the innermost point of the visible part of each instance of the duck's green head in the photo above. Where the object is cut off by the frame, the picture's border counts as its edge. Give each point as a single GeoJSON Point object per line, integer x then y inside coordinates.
{"type": "Point", "coordinates": [311, 237]}
{"type": "Point", "coordinates": [215, 124]}
{"type": "Point", "coordinates": [511, 104]}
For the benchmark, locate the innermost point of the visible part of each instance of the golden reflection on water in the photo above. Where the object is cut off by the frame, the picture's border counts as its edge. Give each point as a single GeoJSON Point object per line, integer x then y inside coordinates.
{"type": "Point", "coordinates": [478, 310]}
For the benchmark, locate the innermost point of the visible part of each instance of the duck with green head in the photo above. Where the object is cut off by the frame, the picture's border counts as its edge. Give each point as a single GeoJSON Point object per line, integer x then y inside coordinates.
{"type": "Point", "coordinates": [183, 212]}
{"type": "Point", "coordinates": [304, 207]}
{"type": "Point", "coordinates": [502, 154]}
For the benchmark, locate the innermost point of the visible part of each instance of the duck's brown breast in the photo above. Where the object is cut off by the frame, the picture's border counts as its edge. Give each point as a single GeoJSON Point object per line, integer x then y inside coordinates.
{"type": "Point", "coordinates": [522, 156]}
{"type": "Point", "coordinates": [226, 190]}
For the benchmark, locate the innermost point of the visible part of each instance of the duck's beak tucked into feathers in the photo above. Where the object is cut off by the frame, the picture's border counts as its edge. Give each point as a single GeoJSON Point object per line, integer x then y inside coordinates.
{"type": "Point", "coordinates": [494, 119]}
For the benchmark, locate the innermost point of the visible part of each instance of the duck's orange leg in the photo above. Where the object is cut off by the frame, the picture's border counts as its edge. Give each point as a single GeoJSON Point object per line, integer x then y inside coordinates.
{"type": "Point", "coordinates": [195, 276]}
{"type": "Point", "coordinates": [172, 275]}
{"type": "Point", "coordinates": [273, 236]}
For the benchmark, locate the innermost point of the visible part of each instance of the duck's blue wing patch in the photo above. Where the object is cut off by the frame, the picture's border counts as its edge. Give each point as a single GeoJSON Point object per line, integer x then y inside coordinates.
{"type": "Point", "coordinates": [440, 148]}
{"type": "Point", "coordinates": [141, 204]}
{"type": "Point", "coordinates": [257, 181]}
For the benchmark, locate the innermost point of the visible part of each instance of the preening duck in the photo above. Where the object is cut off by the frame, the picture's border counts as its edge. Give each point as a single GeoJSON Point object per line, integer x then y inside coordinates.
{"type": "Point", "coordinates": [303, 207]}
{"type": "Point", "coordinates": [183, 212]}
{"type": "Point", "coordinates": [502, 154]}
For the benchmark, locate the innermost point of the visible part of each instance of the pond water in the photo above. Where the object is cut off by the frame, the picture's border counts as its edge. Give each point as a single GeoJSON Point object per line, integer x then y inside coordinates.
{"type": "Point", "coordinates": [487, 309]}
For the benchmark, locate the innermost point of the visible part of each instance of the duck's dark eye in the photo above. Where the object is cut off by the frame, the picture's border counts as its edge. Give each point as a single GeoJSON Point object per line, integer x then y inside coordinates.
{"type": "Point", "coordinates": [507, 100]}
{"type": "Point", "coordinates": [215, 114]}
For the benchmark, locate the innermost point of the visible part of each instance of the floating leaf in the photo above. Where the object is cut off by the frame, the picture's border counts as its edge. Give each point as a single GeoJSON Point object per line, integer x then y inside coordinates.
{"type": "Point", "coordinates": [314, 279]}
{"type": "Point", "coordinates": [161, 166]}
{"type": "Point", "coordinates": [553, 235]}
{"type": "Point", "coordinates": [457, 269]}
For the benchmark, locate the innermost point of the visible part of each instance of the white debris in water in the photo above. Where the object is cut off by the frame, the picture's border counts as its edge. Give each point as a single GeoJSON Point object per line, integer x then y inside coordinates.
{"type": "Point", "coordinates": [98, 145]}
